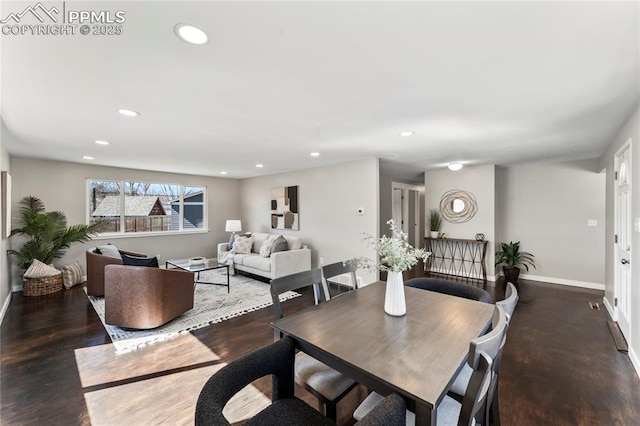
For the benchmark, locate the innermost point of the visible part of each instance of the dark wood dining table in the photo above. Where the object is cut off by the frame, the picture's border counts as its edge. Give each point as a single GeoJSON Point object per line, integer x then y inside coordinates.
{"type": "Point", "coordinates": [417, 355]}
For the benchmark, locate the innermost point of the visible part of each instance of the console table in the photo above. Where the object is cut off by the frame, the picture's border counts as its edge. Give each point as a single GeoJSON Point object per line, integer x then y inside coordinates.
{"type": "Point", "coordinates": [457, 259]}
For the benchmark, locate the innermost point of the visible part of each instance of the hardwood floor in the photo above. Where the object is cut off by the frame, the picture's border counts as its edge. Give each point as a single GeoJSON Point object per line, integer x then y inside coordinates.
{"type": "Point", "coordinates": [559, 367]}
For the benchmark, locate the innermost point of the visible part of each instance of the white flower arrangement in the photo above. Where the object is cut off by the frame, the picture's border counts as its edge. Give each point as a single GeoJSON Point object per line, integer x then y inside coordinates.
{"type": "Point", "coordinates": [395, 252]}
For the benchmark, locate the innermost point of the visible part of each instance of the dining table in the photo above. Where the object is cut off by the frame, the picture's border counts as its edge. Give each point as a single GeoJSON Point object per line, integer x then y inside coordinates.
{"type": "Point", "coordinates": [417, 355]}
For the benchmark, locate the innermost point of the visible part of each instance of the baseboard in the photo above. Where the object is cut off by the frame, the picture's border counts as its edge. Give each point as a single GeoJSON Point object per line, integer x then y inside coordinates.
{"type": "Point", "coordinates": [16, 288]}
{"type": "Point", "coordinates": [634, 360]}
{"type": "Point", "coordinates": [562, 281]}
{"type": "Point", "coordinates": [610, 309]}
{"type": "Point", "coordinates": [5, 306]}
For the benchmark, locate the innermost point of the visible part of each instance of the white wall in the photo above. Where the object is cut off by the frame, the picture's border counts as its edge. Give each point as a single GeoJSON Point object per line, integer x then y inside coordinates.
{"type": "Point", "coordinates": [5, 281]}
{"type": "Point", "coordinates": [480, 181]}
{"type": "Point", "coordinates": [630, 130]}
{"type": "Point", "coordinates": [329, 198]}
{"type": "Point", "coordinates": [62, 186]}
{"type": "Point", "coordinates": [546, 208]}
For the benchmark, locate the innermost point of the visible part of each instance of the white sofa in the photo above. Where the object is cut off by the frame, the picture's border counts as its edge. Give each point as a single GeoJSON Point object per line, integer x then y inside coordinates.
{"type": "Point", "coordinates": [279, 264]}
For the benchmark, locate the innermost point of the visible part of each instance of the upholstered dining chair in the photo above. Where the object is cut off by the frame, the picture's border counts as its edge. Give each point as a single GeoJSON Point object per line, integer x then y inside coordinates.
{"type": "Point", "coordinates": [277, 360]}
{"type": "Point", "coordinates": [452, 288]}
{"type": "Point", "coordinates": [339, 268]}
{"type": "Point", "coordinates": [461, 382]}
{"type": "Point", "coordinates": [322, 381]}
{"type": "Point", "coordinates": [482, 352]}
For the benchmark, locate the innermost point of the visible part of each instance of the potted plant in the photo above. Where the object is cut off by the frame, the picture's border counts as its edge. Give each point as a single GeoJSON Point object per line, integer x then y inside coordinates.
{"type": "Point", "coordinates": [511, 258]}
{"type": "Point", "coordinates": [435, 222]}
{"type": "Point", "coordinates": [48, 234]}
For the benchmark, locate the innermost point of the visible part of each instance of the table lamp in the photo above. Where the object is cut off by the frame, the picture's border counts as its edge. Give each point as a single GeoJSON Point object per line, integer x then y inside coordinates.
{"type": "Point", "coordinates": [233, 226]}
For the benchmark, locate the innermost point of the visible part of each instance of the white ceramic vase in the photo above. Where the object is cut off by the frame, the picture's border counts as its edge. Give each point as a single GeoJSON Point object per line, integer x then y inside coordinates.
{"type": "Point", "coordinates": [394, 303]}
{"type": "Point", "coordinates": [434, 234]}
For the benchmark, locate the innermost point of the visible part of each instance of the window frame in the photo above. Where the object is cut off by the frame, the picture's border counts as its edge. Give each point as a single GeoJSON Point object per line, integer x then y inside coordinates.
{"type": "Point", "coordinates": [123, 234]}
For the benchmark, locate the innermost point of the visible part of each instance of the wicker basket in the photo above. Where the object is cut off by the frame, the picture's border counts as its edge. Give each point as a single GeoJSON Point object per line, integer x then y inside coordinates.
{"type": "Point", "coordinates": [41, 286]}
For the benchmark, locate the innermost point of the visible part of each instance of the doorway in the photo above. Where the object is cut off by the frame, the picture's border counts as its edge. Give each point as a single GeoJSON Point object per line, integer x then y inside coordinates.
{"type": "Point", "coordinates": [622, 239]}
{"type": "Point", "coordinates": [405, 210]}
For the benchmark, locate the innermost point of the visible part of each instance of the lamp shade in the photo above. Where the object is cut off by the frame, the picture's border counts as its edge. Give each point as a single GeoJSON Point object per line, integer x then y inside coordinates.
{"type": "Point", "coordinates": [233, 226]}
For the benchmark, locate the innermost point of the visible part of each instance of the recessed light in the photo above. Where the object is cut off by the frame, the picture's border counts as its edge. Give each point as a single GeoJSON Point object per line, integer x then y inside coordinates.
{"type": "Point", "coordinates": [191, 34]}
{"type": "Point", "coordinates": [259, 166]}
{"type": "Point", "coordinates": [128, 112]}
{"type": "Point", "coordinates": [406, 133]}
{"type": "Point", "coordinates": [454, 166]}
{"type": "Point", "coordinates": [87, 157]}
{"type": "Point", "coordinates": [315, 154]}
{"type": "Point", "coordinates": [102, 142]}
{"type": "Point", "coordinates": [223, 173]}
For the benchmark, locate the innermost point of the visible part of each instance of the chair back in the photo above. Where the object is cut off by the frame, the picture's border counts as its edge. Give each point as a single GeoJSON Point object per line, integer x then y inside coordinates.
{"type": "Point", "coordinates": [483, 351]}
{"type": "Point", "coordinates": [510, 301]}
{"type": "Point", "coordinates": [451, 288]}
{"type": "Point", "coordinates": [295, 281]}
{"type": "Point", "coordinates": [339, 268]}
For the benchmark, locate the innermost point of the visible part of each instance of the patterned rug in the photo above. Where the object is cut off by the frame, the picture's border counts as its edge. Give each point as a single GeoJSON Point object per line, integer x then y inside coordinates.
{"type": "Point", "coordinates": [211, 304]}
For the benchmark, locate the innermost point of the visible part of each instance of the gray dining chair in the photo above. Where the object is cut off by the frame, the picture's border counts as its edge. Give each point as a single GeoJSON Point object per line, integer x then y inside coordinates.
{"type": "Point", "coordinates": [482, 352]}
{"type": "Point", "coordinates": [322, 381]}
{"type": "Point", "coordinates": [459, 386]}
{"type": "Point", "coordinates": [277, 360]}
{"type": "Point", "coordinates": [336, 269]}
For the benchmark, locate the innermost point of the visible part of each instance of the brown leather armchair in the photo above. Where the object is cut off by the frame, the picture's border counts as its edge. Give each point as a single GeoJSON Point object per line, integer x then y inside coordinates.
{"type": "Point", "coordinates": [95, 269]}
{"type": "Point", "coordinates": [141, 297]}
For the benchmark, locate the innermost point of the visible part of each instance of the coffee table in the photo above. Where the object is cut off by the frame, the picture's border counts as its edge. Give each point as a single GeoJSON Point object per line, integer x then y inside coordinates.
{"type": "Point", "coordinates": [208, 264]}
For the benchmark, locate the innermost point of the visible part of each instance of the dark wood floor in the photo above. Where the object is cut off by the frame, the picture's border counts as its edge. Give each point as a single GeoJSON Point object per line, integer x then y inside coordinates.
{"type": "Point", "coordinates": [560, 366]}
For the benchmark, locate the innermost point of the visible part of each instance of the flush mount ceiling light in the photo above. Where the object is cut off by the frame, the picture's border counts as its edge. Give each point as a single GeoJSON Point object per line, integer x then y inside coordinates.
{"type": "Point", "coordinates": [259, 166]}
{"type": "Point", "coordinates": [454, 166]}
{"type": "Point", "coordinates": [128, 112]}
{"type": "Point", "coordinates": [406, 134]}
{"type": "Point", "coordinates": [315, 154]}
{"type": "Point", "coordinates": [102, 142]}
{"type": "Point", "coordinates": [87, 157]}
{"type": "Point", "coordinates": [190, 34]}
{"type": "Point", "coordinates": [223, 173]}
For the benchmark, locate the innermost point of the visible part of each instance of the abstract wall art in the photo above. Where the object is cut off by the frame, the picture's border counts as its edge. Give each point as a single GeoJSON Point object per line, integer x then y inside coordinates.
{"type": "Point", "coordinates": [284, 208]}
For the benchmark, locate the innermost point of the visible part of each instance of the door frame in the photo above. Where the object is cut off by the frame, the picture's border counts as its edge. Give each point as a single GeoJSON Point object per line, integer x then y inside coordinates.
{"type": "Point", "coordinates": [617, 290]}
{"type": "Point", "coordinates": [406, 187]}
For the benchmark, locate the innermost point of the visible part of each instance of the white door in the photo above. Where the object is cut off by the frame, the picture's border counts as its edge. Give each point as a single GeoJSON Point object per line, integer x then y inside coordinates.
{"type": "Point", "coordinates": [622, 240]}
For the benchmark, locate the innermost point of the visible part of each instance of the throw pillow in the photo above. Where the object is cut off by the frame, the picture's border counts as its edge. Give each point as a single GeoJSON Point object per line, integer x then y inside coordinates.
{"type": "Point", "coordinates": [242, 245]}
{"type": "Point", "coordinates": [265, 249]}
{"type": "Point", "coordinates": [279, 244]}
{"type": "Point", "coordinates": [38, 269]}
{"type": "Point", "coordinates": [71, 274]}
{"type": "Point", "coordinates": [109, 250]}
{"type": "Point", "coordinates": [151, 262]}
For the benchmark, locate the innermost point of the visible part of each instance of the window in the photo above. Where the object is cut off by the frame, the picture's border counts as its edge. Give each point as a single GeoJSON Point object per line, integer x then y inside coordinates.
{"type": "Point", "coordinates": [130, 207]}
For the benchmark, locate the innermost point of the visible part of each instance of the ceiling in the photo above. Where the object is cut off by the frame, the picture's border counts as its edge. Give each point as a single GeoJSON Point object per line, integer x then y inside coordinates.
{"type": "Point", "coordinates": [478, 83]}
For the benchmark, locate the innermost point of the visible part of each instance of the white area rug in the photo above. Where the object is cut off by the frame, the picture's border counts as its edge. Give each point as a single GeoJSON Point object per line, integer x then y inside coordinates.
{"type": "Point", "coordinates": [211, 304]}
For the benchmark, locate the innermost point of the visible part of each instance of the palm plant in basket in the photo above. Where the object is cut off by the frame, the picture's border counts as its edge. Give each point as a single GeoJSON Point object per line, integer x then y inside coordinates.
{"type": "Point", "coordinates": [48, 234]}
{"type": "Point", "coordinates": [511, 258]}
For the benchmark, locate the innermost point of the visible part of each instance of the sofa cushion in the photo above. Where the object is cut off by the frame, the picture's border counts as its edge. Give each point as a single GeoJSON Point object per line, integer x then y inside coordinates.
{"type": "Point", "coordinates": [258, 239]}
{"type": "Point", "coordinates": [151, 262]}
{"type": "Point", "coordinates": [71, 274]}
{"type": "Point", "coordinates": [238, 259]}
{"type": "Point", "coordinates": [279, 244]}
{"type": "Point", "coordinates": [265, 250]}
{"type": "Point", "coordinates": [294, 242]}
{"type": "Point", "coordinates": [257, 262]}
{"type": "Point", "coordinates": [109, 250]}
{"type": "Point", "coordinates": [242, 244]}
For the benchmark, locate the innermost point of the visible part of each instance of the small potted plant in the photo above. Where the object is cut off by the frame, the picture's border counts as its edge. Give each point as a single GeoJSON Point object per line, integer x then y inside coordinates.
{"type": "Point", "coordinates": [511, 258]}
{"type": "Point", "coordinates": [435, 222]}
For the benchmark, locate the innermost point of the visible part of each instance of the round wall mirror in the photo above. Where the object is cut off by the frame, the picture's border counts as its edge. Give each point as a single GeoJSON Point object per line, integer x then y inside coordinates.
{"type": "Point", "coordinates": [457, 206]}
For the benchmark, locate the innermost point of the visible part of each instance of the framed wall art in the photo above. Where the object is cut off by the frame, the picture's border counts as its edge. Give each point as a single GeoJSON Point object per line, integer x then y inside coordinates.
{"type": "Point", "coordinates": [284, 208]}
